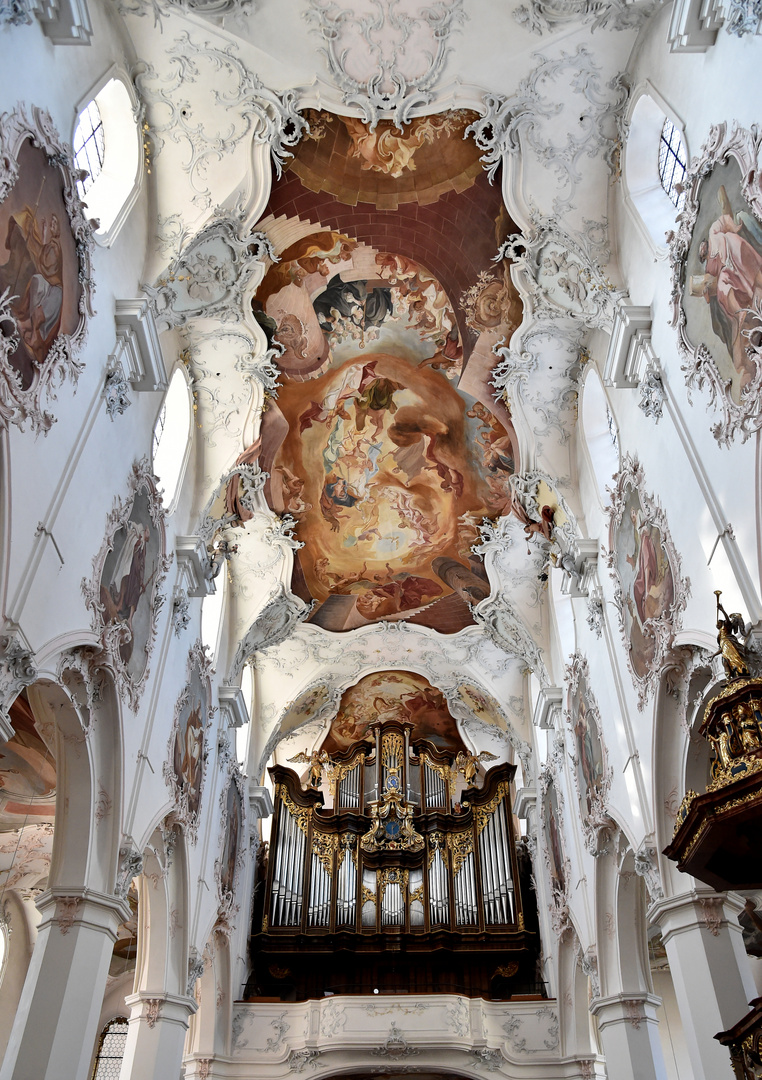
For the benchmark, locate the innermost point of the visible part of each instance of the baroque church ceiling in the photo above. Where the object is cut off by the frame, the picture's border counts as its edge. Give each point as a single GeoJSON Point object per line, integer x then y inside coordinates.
{"type": "Point", "coordinates": [384, 326]}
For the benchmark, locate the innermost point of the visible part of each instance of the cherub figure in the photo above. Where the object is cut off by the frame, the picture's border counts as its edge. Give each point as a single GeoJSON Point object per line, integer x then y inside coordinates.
{"type": "Point", "coordinates": [468, 764]}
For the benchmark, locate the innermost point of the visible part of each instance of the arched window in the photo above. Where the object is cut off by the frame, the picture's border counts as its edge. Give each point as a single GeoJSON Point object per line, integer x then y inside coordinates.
{"type": "Point", "coordinates": [107, 144]}
{"type": "Point", "coordinates": [654, 163]}
{"type": "Point", "coordinates": [242, 733]}
{"type": "Point", "coordinates": [672, 162]}
{"type": "Point", "coordinates": [172, 437]}
{"type": "Point", "coordinates": [600, 434]}
{"type": "Point", "coordinates": [211, 613]}
{"type": "Point", "coordinates": [108, 1060]}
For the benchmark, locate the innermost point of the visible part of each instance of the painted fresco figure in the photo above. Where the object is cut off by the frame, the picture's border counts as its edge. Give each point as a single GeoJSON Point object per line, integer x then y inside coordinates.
{"type": "Point", "coordinates": [732, 255]}
{"type": "Point", "coordinates": [120, 598]}
{"type": "Point", "coordinates": [336, 493]}
{"type": "Point", "coordinates": [402, 593]}
{"type": "Point", "coordinates": [589, 764]}
{"type": "Point", "coordinates": [188, 758]}
{"type": "Point", "coordinates": [232, 834]}
{"type": "Point", "coordinates": [645, 562]}
{"type": "Point", "coordinates": [354, 302]}
{"type": "Point", "coordinates": [33, 275]}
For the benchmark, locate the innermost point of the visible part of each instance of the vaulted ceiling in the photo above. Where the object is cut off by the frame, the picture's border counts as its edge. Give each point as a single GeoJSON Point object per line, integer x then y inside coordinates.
{"type": "Point", "coordinates": [387, 229]}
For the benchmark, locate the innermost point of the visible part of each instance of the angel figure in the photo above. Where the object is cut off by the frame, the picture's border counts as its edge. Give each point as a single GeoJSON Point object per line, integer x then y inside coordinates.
{"type": "Point", "coordinates": [468, 764]}
{"type": "Point", "coordinates": [317, 760]}
{"type": "Point", "coordinates": [729, 629]}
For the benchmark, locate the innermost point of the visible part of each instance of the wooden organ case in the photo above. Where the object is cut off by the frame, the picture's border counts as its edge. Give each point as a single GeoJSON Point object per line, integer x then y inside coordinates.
{"type": "Point", "coordinates": [396, 888]}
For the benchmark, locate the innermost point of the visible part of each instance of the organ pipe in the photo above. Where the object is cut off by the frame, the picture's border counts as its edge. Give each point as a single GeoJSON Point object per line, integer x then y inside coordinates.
{"type": "Point", "coordinates": [321, 879]}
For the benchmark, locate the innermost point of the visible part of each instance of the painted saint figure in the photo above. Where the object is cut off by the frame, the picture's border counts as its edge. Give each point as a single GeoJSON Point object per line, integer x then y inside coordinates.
{"type": "Point", "coordinates": [188, 760]}
{"type": "Point", "coordinates": [120, 598]}
{"type": "Point", "coordinates": [33, 275]}
{"type": "Point", "coordinates": [732, 255]}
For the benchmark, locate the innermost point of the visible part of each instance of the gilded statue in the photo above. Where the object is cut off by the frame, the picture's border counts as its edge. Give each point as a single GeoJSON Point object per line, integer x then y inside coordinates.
{"type": "Point", "coordinates": [731, 649]}
{"type": "Point", "coordinates": [747, 729]}
{"type": "Point", "coordinates": [318, 761]}
{"type": "Point", "coordinates": [723, 742]}
{"type": "Point", "coordinates": [468, 764]}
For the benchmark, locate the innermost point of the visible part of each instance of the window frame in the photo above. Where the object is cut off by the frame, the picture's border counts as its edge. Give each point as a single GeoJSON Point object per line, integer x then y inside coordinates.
{"type": "Point", "coordinates": [171, 503]}
{"type": "Point", "coordinates": [105, 235]}
{"type": "Point", "coordinates": [644, 194]}
{"type": "Point", "coordinates": [101, 1038]}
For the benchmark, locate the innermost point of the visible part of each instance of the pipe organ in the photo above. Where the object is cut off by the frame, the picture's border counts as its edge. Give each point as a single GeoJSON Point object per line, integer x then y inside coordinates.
{"type": "Point", "coordinates": [396, 868]}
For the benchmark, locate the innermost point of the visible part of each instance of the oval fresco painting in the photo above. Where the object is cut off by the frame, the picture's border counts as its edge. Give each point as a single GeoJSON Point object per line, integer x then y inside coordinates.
{"type": "Point", "coordinates": [587, 747]}
{"type": "Point", "coordinates": [553, 842]}
{"type": "Point", "coordinates": [646, 579]}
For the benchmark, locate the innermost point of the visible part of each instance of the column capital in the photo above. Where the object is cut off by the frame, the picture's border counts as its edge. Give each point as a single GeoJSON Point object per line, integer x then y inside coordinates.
{"type": "Point", "coordinates": [699, 909]}
{"type": "Point", "coordinates": [634, 1007]}
{"type": "Point", "coordinates": [73, 906]}
{"type": "Point", "coordinates": [157, 1005]}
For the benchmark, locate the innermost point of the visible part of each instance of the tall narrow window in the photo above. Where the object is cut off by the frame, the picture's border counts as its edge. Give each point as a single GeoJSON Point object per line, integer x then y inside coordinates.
{"type": "Point", "coordinates": [108, 1060]}
{"type": "Point", "coordinates": [108, 146]}
{"type": "Point", "coordinates": [672, 162]}
{"type": "Point", "coordinates": [3, 945]}
{"type": "Point", "coordinates": [171, 437]}
{"type": "Point", "coordinates": [89, 146]}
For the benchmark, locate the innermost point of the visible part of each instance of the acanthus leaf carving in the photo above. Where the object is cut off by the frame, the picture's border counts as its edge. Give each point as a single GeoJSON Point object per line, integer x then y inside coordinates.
{"type": "Point", "coordinates": [563, 272]}
{"type": "Point", "coordinates": [251, 109]}
{"type": "Point", "coordinates": [116, 392]}
{"type": "Point", "coordinates": [506, 123]}
{"type": "Point", "coordinates": [506, 629]}
{"type": "Point", "coordinates": [647, 867]}
{"type": "Point", "coordinates": [130, 865]}
{"type": "Point", "coordinates": [274, 623]}
{"type": "Point", "coordinates": [210, 273]}
{"type": "Point", "coordinates": [547, 16]}
{"type": "Point", "coordinates": [17, 667]}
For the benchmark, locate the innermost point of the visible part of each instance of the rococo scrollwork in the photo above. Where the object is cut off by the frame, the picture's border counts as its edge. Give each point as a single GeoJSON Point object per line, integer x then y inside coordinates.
{"type": "Point", "coordinates": [716, 257]}
{"type": "Point", "coordinates": [46, 285]}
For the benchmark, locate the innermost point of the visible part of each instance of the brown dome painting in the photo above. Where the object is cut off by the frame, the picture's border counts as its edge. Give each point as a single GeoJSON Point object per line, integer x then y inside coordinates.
{"type": "Point", "coordinates": [385, 442]}
{"type": "Point", "coordinates": [402, 696]}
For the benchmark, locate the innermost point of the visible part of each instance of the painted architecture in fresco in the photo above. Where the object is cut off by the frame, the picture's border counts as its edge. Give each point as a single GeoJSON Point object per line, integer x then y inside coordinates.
{"type": "Point", "coordinates": [385, 443]}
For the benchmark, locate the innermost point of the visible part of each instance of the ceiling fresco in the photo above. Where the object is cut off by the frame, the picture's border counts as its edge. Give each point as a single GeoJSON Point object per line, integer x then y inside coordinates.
{"type": "Point", "coordinates": [385, 443]}
{"type": "Point", "coordinates": [27, 772]}
{"type": "Point", "coordinates": [393, 695]}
